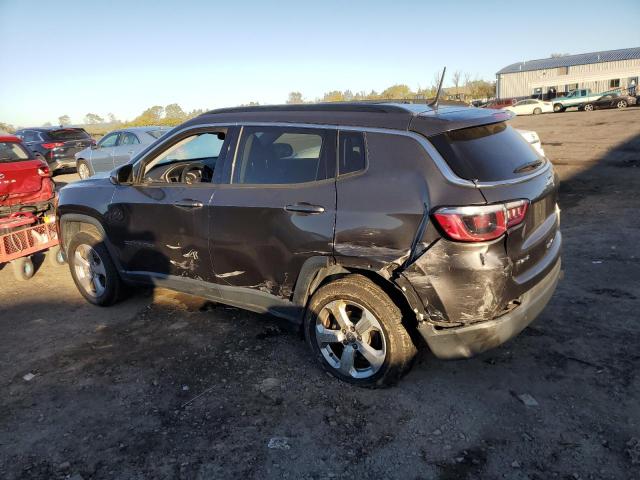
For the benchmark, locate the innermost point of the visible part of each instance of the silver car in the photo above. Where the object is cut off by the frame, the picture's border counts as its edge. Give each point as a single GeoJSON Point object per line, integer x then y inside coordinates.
{"type": "Point", "coordinates": [116, 148]}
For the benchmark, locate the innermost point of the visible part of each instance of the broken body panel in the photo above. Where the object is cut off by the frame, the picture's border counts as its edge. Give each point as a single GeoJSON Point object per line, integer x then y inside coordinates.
{"type": "Point", "coordinates": [253, 253]}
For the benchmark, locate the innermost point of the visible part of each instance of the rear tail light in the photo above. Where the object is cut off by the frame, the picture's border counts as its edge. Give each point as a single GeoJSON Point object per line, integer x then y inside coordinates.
{"type": "Point", "coordinates": [52, 145]}
{"type": "Point", "coordinates": [44, 171]}
{"type": "Point", "coordinates": [480, 223]}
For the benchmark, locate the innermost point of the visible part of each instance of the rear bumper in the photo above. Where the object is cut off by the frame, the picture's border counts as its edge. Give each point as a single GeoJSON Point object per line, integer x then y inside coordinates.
{"type": "Point", "coordinates": [467, 341]}
{"type": "Point", "coordinates": [60, 163]}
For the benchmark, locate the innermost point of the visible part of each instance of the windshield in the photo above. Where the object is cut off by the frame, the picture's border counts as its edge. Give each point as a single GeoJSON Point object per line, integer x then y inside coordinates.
{"type": "Point", "coordinates": [12, 152]}
{"type": "Point", "coordinates": [68, 134]}
{"type": "Point", "coordinates": [487, 153]}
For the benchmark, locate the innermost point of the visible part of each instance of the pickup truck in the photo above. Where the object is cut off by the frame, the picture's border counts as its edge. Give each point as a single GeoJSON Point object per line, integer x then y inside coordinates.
{"type": "Point", "coordinates": [576, 98]}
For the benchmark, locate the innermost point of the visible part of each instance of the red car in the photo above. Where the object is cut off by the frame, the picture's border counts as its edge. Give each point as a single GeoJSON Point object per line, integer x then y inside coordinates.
{"type": "Point", "coordinates": [25, 182]}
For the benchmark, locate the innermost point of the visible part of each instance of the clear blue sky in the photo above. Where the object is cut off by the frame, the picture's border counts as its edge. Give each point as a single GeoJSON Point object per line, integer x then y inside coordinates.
{"type": "Point", "coordinates": [74, 57]}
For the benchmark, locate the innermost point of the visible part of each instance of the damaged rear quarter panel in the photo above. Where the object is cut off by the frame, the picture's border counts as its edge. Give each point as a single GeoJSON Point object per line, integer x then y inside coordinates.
{"type": "Point", "coordinates": [462, 283]}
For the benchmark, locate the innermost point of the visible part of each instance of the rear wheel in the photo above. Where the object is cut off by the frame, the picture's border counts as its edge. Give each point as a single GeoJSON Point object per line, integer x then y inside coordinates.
{"type": "Point", "coordinates": [558, 108]}
{"type": "Point", "coordinates": [356, 333]}
{"type": "Point", "coordinates": [537, 111]}
{"type": "Point", "coordinates": [588, 107]}
{"type": "Point", "coordinates": [23, 268]}
{"type": "Point", "coordinates": [83, 169]}
{"type": "Point", "coordinates": [92, 270]}
{"type": "Point", "coordinates": [622, 104]}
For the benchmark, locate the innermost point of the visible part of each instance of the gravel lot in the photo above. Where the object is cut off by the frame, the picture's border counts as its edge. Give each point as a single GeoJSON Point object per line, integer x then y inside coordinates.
{"type": "Point", "coordinates": [166, 385]}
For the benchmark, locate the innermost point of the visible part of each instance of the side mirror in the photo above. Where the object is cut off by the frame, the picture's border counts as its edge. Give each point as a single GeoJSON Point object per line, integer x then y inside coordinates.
{"type": "Point", "coordinates": [94, 146]}
{"type": "Point", "coordinates": [122, 175]}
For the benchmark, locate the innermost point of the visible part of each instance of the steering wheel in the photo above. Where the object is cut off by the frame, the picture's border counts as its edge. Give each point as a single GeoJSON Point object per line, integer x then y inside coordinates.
{"type": "Point", "coordinates": [191, 174]}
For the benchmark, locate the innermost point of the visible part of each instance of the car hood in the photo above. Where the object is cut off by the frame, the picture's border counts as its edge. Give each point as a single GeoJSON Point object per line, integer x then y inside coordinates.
{"type": "Point", "coordinates": [85, 153]}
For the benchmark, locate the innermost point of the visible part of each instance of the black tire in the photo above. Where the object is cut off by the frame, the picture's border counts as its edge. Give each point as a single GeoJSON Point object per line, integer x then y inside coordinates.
{"type": "Point", "coordinates": [81, 167]}
{"type": "Point", "coordinates": [110, 282]}
{"type": "Point", "coordinates": [399, 350]}
{"type": "Point", "coordinates": [23, 268]}
{"type": "Point", "coordinates": [557, 108]}
{"type": "Point", "coordinates": [537, 111]}
{"type": "Point", "coordinates": [56, 257]}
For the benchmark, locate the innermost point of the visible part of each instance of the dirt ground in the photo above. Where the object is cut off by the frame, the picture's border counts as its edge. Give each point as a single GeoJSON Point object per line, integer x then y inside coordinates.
{"type": "Point", "coordinates": [166, 385]}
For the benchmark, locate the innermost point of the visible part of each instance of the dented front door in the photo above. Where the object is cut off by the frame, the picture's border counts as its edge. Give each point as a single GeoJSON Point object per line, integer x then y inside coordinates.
{"type": "Point", "coordinates": [162, 229]}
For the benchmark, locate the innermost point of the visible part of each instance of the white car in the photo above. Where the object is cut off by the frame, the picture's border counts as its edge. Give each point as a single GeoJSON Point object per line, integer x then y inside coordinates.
{"type": "Point", "coordinates": [533, 139]}
{"type": "Point", "coordinates": [530, 106]}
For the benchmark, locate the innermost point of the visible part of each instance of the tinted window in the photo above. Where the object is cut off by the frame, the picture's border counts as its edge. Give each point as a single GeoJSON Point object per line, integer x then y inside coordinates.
{"type": "Point", "coordinates": [486, 153]}
{"type": "Point", "coordinates": [68, 134]}
{"type": "Point", "coordinates": [12, 152]}
{"type": "Point", "coordinates": [128, 139]}
{"type": "Point", "coordinates": [352, 152]}
{"type": "Point", "coordinates": [271, 155]}
{"type": "Point", "coordinates": [109, 141]}
{"type": "Point", "coordinates": [31, 136]}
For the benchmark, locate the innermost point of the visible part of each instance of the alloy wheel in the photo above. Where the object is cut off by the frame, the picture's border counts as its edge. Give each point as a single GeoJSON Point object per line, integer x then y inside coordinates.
{"type": "Point", "coordinates": [90, 270]}
{"type": "Point", "coordinates": [350, 339]}
{"type": "Point", "coordinates": [83, 171]}
{"type": "Point", "coordinates": [622, 104]}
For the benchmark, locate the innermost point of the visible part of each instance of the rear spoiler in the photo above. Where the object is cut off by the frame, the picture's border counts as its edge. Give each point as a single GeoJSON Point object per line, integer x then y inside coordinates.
{"type": "Point", "coordinates": [446, 119]}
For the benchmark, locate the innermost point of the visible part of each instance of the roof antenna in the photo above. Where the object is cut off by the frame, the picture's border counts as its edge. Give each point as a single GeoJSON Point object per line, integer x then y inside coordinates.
{"type": "Point", "coordinates": [434, 104]}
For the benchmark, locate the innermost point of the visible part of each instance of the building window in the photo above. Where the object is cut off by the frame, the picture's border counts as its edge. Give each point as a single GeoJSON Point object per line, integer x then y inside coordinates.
{"type": "Point", "coordinates": [563, 70]}
{"type": "Point", "coordinates": [571, 87]}
{"type": "Point", "coordinates": [615, 83]}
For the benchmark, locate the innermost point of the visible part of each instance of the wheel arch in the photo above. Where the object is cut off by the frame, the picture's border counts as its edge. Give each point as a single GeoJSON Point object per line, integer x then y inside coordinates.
{"type": "Point", "coordinates": [319, 271]}
{"type": "Point", "coordinates": [73, 223]}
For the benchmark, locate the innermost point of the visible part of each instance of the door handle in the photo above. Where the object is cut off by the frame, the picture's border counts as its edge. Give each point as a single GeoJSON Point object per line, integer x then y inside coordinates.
{"type": "Point", "coordinates": [304, 208]}
{"type": "Point", "coordinates": [188, 203]}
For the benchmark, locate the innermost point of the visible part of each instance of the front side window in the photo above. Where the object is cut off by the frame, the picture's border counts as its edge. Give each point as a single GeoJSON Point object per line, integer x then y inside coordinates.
{"type": "Point", "coordinates": [12, 152]}
{"type": "Point", "coordinates": [352, 155]}
{"type": "Point", "coordinates": [275, 155]}
{"type": "Point", "coordinates": [108, 141]}
{"type": "Point", "coordinates": [191, 160]}
{"type": "Point", "coordinates": [128, 138]}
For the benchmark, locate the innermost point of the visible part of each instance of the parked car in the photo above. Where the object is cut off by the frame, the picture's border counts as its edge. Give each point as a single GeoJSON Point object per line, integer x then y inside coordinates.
{"type": "Point", "coordinates": [610, 100]}
{"type": "Point", "coordinates": [533, 139]}
{"type": "Point", "coordinates": [25, 183]}
{"type": "Point", "coordinates": [116, 148]}
{"type": "Point", "coordinates": [500, 103]}
{"type": "Point", "coordinates": [363, 223]}
{"type": "Point", "coordinates": [530, 106]}
{"type": "Point", "coordinates": [57, 145]}
{"type": "Point", "coordinates": [576, 98]}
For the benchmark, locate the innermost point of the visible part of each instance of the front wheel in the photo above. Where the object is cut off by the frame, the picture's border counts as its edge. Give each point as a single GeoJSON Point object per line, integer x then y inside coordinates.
{"type": "Point", "coordinates": [355, 331]}
{"type": "Point", "coordinates": [537, 111]}
{"type": "Point", "coordinates": [558, 108]}
{"type": "Point", "coordinates": [588, 107]}
{"type": "Point", "coordinates": [622, 104]}
{"type": "Point", "coordinates": [92, 270]}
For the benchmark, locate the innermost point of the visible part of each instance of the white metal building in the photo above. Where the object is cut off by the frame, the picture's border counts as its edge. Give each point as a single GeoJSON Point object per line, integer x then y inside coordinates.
{"type": "Point", "coordinates": [599, 71]}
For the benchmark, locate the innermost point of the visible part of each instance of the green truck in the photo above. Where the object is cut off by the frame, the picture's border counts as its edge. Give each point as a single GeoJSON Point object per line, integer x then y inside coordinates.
{"type": "Point", "coordinates": [576, 98]}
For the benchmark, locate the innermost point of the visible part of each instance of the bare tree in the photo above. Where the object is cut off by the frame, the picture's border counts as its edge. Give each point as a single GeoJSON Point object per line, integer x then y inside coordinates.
{"type": "Point", "coordinates": [455, 78]}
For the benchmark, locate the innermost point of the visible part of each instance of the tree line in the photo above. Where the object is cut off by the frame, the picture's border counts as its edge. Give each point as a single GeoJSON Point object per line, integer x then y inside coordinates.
{"type": "Point", "coordinates": [464, 88]}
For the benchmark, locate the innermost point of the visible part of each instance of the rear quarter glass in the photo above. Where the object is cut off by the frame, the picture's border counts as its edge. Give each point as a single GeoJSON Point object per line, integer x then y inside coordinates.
{"type": "Point", "coordinates": [487, 153]}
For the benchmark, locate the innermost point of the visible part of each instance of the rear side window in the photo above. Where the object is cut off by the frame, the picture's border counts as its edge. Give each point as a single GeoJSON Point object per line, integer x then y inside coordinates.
{"type": "Point", "coordinates": [352, 153]}
{"type": "Point", "coordinates": [487, 153]}
{"type": "Point", "coordinates": [128, 139]}
{"type": "Point", "coordinates": [67, 134]}
{"type": "Point", "coordinates": [12, 152]}
{"type": "Point", "coordinates": [274, 155]}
